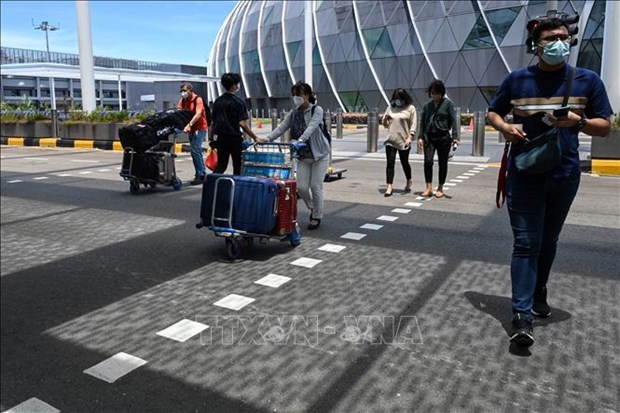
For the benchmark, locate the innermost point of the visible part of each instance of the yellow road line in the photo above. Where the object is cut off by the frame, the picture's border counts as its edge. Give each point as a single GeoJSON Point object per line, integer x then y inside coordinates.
{"type": "Point", "coordinates": [83, 144]}
{"type": "Point", "coordinates": [606, 166]}
{"type": "Point", "coordinates": [16, 141]}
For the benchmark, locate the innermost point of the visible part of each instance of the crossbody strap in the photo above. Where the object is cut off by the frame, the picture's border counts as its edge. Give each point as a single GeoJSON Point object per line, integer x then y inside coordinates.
{"type": "Point", "coordinates": [569, 86]}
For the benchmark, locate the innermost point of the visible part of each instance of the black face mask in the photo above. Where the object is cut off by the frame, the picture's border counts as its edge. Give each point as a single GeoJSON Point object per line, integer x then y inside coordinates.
{"type": "Point", "coordinates": [398, 103]}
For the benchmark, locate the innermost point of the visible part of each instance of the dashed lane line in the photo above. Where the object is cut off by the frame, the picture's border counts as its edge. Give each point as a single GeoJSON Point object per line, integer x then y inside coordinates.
{"type": "Point", "coordinates": [234, 302]}
{"type": "Point", "coordinates": [332, 248]}
{"type": "Point", "coordinates": [373, 227]}
{"type": "Point", "coordinates": [356, 236]}
{"type": "Point", "coordinates": [183, 330]}
{"type": "Point", "coordinates": [33, 405]}
{"type": "Point", "coordinates": [306, 262]}
{"type": "Point", "coordinates": [115, 367]}
{"type": "Point", "coordinates": [273, 280]}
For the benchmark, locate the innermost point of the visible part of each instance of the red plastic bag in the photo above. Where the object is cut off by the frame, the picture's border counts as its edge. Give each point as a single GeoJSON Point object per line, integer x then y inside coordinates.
{"type": "Point", "coordinates": [211, 159]}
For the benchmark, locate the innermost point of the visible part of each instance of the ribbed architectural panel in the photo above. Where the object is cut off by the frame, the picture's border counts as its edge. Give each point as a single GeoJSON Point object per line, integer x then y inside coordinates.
{"type": "Point", "coordinates": [366, 49]}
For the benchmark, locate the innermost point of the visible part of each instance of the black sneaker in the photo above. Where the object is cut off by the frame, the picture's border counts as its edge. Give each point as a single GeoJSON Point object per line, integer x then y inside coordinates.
{"type": "Point", "coordinates": [540, 307]}
{"type": "Point", "coordinates": [523, 334]}
{"type": "Point", "coordinates": [199, 180]}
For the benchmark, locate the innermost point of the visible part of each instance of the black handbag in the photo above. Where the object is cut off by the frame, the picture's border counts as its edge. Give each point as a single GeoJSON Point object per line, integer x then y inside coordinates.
{"type": "Point", "coordinates": [544, 152]}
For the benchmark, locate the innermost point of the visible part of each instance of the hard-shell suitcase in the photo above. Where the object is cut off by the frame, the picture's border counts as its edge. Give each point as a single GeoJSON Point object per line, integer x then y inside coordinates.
{"type": "Point", "coordinates": [287, 207]}
{"type": "Point", "coordinates": [250, 207]}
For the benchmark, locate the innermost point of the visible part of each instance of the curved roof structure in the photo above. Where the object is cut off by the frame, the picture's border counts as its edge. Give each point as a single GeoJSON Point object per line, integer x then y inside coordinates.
{"type": "Point", "coordinates": [363, 50]}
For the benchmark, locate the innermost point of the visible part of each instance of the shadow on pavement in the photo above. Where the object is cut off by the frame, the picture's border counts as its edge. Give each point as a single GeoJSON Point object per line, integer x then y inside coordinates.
{"type": "Point", "coordinates": [499, 308]}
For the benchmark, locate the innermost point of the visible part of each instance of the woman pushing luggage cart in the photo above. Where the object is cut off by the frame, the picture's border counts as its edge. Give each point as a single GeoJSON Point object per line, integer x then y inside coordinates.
{"type": "Point", "coordinates": [261, 203]}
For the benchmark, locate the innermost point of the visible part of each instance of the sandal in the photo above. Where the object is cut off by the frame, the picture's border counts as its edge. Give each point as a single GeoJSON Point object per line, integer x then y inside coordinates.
{"type": "Point", "coordinates": [314, 223]}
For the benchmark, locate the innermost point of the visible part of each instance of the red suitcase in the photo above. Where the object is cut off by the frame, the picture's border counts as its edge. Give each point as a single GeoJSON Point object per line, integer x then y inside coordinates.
{"type": "Point", "coordinates": [287, 207]}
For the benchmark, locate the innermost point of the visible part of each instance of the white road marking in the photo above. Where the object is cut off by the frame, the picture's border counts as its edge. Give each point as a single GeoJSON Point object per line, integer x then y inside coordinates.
{"type": "Point", "coordinates": [183, 330]}
{"type": "Point", "coordinates": [456, 180]}
{"type": "Point", "coordinates": [84, 161]}
{"type": "Point", "coordinates": [38, 178]}
{"type": "Point", "coordinates": [115, 367]}
{"type": "Point", "coordinates": [353, 235]}
{"type": "Point", "coordinates": [481, 168]}
{"type": "Point", "coordinates": [37, 159]}
{"type": "Point", "coordinates": [273, 280]}
{"type": "Point", "coordinates": [463, 177]}
{"type": "Point", "coordinates": [234, 302]}
{"type": "Point", "coordinates": [469, 174]}
{"type": "Point", "coordinates": [33, 405]}
{"type": "Point", "coordinates": [400, 211]}
{"type": "Point", "coordinates": [373, 227]}
{"type": "Point", "coordinates": [14, 181]}
{"type": "Point", "coordinates": [332, 248]}
{"type": "Point", "coordinates": [63, 174]}
{"type": "Point", "coordinates": [306, 262]}
{"type": "Point", "coordinates": [475, 171]}
{"type": "Point", "coordinates": [414, 204]}
{"type": "Point", "coordinates": [420, 198]}
{"type": "Point", "coordinates": [85, 172]}
{"type": "Point", "coordinates": [103, 170]}
{"type": "Point", "coordinates": [449, 184]}
{"type": "Point", "coordinates": [387, 218]}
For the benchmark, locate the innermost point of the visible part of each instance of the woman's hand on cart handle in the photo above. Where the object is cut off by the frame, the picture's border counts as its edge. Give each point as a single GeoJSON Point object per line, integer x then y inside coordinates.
{"type": "Point", "coordinates": [297, 144]}
{"type": "Point", "coordinates": [260, 141]}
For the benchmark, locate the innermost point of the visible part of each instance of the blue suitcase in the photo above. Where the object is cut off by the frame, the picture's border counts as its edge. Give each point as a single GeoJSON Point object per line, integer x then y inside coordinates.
{"type": "Point", "coordinates": [251, 206]}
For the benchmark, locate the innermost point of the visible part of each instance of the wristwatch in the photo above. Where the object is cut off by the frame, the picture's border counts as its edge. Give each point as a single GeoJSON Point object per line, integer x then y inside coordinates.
{"type": "Point", "coordinates": [582, 123]}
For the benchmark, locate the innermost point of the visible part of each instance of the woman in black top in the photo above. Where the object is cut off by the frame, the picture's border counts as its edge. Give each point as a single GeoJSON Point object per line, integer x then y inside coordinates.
{"type": "Point", "coordinates": [438, 123]}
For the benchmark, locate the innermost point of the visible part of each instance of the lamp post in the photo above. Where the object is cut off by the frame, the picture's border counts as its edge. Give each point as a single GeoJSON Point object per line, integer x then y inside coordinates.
{"type": "Point", "coordinates": [47, 28]}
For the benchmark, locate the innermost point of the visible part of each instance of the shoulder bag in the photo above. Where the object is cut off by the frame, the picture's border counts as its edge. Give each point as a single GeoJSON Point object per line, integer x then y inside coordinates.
{"type": "Point", "coordinates": [544, 152]}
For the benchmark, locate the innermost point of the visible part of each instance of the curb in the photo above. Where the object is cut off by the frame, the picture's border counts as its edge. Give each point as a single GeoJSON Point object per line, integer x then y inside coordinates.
{"type": "Point", "coordinates": [77, 144]}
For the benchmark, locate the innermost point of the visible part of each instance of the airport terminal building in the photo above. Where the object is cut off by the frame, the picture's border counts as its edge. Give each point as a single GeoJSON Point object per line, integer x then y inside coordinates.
{"type": "Point", "coordinates": [363, 50]}
{"type": "Point", "coordinates": [119, 83]}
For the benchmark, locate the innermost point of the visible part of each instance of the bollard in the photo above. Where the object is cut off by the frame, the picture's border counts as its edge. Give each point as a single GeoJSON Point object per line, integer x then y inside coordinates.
{"type": "Point", "coordinates": [458, 122]}
{"type": "Point", "coordinates": [327, 120]}
{"type": "Point", "coordinates": [477, 148]}
{"type": "Point", "coordinates": [274, 118]}
{"type": "Point", "coordinates": [54, 123]}
{"type": "Point", "coordinates": [372, 133]}
{"type": "Point", "coordinates": [286, 137]}
{"type": "Point", "coordinates": [338, 123]}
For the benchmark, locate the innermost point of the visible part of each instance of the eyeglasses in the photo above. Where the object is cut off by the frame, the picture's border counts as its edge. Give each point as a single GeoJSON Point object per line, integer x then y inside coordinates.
{"type": "Point", "coordinates": [552, 39]}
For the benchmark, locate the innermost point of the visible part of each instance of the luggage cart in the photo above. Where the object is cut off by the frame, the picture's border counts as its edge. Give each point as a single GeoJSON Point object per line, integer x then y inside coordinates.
{"type": "Point", "coordinates": [153, 167]}
{"type": "Point", "coordinates": [276, 161]}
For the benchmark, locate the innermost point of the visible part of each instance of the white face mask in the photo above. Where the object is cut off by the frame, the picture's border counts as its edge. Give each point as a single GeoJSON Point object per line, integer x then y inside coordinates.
{"type": "Point", "coordinates": [184, 95]}
{"type": "Point", "coordinates": [298, 101]}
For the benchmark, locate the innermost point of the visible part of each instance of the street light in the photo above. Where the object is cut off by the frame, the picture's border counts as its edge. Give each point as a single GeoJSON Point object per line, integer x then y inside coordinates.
{"type": "Point", "coordinates": [48, 27]}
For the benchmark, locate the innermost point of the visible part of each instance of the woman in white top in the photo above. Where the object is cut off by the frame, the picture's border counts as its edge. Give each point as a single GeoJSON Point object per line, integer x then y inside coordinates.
{"type": "Point", "coordinates": [401, 120]}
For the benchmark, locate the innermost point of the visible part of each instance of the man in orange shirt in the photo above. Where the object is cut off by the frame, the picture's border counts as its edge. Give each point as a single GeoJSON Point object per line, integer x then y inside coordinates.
{"type": "Point", "coordinates": [196, 128]}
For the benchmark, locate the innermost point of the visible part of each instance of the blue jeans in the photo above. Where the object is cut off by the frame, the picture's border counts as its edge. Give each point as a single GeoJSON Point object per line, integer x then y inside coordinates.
{"type": "Point", "coordinates": [196, 139]}
{"type": "Point", "coordinates": [537, 206]}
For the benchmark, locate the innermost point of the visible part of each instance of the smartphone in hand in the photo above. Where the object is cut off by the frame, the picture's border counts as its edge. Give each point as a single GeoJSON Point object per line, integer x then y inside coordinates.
{"type": "Point", "coordinates": [561, 112]}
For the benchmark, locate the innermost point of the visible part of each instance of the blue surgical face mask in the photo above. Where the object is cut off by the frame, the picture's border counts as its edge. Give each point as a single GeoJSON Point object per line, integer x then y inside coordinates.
{"type": "Point", "coordinates": [555, 53]}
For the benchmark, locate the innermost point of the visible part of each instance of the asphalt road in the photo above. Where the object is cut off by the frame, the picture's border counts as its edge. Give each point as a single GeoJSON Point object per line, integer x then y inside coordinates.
{"type": "Point", "coordinates": [413, 316]}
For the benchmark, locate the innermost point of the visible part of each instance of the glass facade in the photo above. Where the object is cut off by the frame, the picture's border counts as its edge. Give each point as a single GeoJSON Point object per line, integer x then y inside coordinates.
{"type": "Point", "coordinates": [363, 50]}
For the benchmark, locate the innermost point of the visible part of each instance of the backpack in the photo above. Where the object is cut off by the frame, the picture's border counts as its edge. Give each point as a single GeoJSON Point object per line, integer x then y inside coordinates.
{"type": "Point", "coordinates": [207, 111]}
{"type": "Point", "coordinates": [326, 133]}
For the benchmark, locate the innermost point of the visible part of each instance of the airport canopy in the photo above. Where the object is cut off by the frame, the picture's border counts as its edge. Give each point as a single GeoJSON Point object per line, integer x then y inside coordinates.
{"type": "Point", "coordinates": [64, 71]}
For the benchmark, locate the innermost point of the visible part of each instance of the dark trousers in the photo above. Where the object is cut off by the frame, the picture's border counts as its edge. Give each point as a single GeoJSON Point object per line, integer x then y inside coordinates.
{"type": "Point", "coordinates": [442, 146]}
{"type": "Point", "coordinates": [229, 148]}
{"type": "Point", "coordinates": [537, 206]}
{"type": "Point", "coordinates": [390, 153]}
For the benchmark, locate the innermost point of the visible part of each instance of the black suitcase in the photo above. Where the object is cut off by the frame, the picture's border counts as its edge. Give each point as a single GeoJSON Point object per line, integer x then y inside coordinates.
{"type": "Point", "coordinates": [138, 136]}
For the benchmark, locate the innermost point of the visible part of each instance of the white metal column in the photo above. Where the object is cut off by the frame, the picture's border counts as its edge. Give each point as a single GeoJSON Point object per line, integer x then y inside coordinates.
{"type": "Point", "coordinates": [85, 41]}
{"type": "Point", "coordinates": [308, 42]}
{"type": "Point", "coordinates": [610, 65]}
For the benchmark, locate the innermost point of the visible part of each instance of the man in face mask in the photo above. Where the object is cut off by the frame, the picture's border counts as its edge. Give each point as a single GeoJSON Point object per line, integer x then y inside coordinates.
{"type": "Point", "coordinates": [196, 128]}
{"type": "Point", "coordinates": [539, 203]}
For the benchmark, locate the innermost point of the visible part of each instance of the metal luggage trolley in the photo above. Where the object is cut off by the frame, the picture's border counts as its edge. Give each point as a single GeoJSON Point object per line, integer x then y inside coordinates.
{"type": "Point", "coordinates": [153, 167]}
{"type": "Point", "coordinates": [269, 160]}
